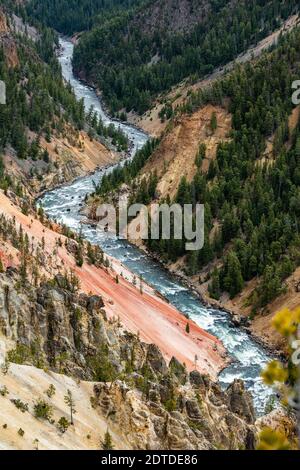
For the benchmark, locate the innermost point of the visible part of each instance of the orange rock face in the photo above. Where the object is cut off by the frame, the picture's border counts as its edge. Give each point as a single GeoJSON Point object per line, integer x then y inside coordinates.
{"type": "Point", "coordinates": [145, 313]}
{"type": "Point", "coordinates": [3, 24]}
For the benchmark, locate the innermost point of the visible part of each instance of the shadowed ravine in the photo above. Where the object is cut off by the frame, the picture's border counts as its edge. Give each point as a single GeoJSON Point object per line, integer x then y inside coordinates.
{"type": "Point", "coordinates": [64, 204]}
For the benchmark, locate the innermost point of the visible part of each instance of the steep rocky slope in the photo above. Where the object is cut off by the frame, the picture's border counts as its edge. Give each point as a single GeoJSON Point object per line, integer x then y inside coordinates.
{"type": "Point", "coordinates": [149, 49]}
{"type": "Point", "coordinates": [155, 125]}
{"type": "Point", "coordinates": [145, 404]}
{"type": "Point", "coordinates": [241, 157]}
{"type": "Point", "coordinates": [69, 157]}
{"type": "Point", "coordinates": [7, 42]}
{"type": "Point", "coordinates": [172, 15]}
{"type": "Point", "coordinates": [64, 314]}
{"type": "Point", "coordinates": [144, 313]}
{"type": "Point", "coordinates": [48, 160]}
{"type": "Point", "coordinates": [175, 156]}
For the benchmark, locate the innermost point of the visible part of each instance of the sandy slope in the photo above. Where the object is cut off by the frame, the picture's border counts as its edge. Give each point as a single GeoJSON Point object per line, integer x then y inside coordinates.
{"type": "Point", "coordinates": [155, 320]}
{"type": "Point", "coordinates": [176, 153]}
{"type": "Point", "coordinates": [29, 385]}
{"type": "Point", "coordinates": [71, 157]}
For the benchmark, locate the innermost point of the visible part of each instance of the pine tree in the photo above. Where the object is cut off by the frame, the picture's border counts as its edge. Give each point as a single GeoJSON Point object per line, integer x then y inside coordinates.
{"type": "Point", "coordinates": [214, 286]}
{"type": "Point", "coordinates": [23, 271]}
{"type": "Point", "coordinates": [71, 404]}
{"type": "Point", "coordinates": [107, 444]}
{"type": "Point", "coordinates": [200, 155]}
{"type": "Point", "coordinates": [213, 122]}
{"type": "Point", "coordinates": [232, 277]}
{"type": "Point", "coordinates": [63, 425]}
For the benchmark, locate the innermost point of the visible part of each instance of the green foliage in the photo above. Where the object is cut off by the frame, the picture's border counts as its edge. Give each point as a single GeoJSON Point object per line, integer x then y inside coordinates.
{"type": "Point", "coordinates": [213, 122]}
{"type": "Point", "coordinates": [79, 255]}
{"type": "Point", "coordinates": [102, 367]}
{"type": "Point", "coordinates": [23, 407]}
{"type": "Point", "coordinates": [231, 275]}
{"type": "Point", "coordinates": [200, 155]}
{"type": "Point", "coordinates": [23, 354]}
{"type": "Point", "coordinates": [166, 112]}
{"type": "Point", "coordinates": [125, 174]}
{"type": "Point", "coordinates": [270, 287]}
{"type": "Point", "coordinates": [72, 16]}
{"type": "Point", "coordinates": [50, 392]}
{"type": "Point", "coordinates": [107, 443]}
{"type": "Point", "coordinates": [43, 410]}
{"type": "Point", "coordinates": [214, 287]}
{"type": "Point", "coordinates": [1, 266]}
{"type": "Point", "coordinates": [40, 104]}
{"type": "Point", "coordinates": [171, 405]}
{"type": "Point", "coordinates": [110, 132]}
{"type": "Point", "coordinates": [69, 401]}
{"type": "Point", "coordinates": [254, 205]}
{"type": "Point", "coordinates": [63, 425]}
{"type": "Point", "coordinates": [20, 354]}
{"type": "Point", "coordinates": [37, 99]}
{"type": "Point", "coordinates": [118, 53]}
{"type": "Point", "coordinates": [4, 391]}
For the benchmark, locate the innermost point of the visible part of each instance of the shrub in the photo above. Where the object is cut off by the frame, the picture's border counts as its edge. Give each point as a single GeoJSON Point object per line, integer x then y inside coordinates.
{"type": "Point", "coordinates": [19, 355]}
{"type": "Point", "coordinates": [4, 391]}
{"type": "Point", "coordinates": [63, 424]}
{"type": "Point", "coordinates": [107, 444]}
{"type": "Point", "coordinates": [171, 405]}
{"type": "Point", "coordinates": [43, 410]}
{"type": "Point", "coordinates": [50, 392]}
{"type": "Point", "coordinates": [20, 405]}
{"type": "Point", "coordinates": [5, 367]}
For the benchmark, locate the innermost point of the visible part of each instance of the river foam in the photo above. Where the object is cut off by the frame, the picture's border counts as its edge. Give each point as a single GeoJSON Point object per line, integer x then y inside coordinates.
{"type": "Point", "coordinates": [62, 204]}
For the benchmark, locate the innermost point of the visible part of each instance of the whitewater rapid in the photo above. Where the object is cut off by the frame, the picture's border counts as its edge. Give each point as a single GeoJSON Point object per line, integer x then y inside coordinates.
{"type": "Point", "coordinates": [63, 204]}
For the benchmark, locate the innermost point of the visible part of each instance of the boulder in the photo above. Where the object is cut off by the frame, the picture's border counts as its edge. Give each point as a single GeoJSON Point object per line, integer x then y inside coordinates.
{"type": "Point", "coordinates": [156, 360]}
{"type": "Point", "coordinates": [240, 401]}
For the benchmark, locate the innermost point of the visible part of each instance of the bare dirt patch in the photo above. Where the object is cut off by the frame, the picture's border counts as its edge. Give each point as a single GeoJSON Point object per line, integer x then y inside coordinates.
{"type": "Point", "coordinates": [175, 156]}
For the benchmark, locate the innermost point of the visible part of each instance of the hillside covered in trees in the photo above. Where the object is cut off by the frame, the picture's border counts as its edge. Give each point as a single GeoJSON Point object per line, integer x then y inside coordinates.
{"type": "Point", "coordinates": [250, 191]}
{"type": "Point", "coordinates": [40, 106]}
{"type": "Point", "coordinates": [89, 359]}
{"type": "Point", "coordinates": [73, 16]}
{"type": "Point", "coordinates": [132, 60]}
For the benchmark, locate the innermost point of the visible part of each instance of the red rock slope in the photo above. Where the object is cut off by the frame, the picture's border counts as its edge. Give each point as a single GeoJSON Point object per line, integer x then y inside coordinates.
{"type": "Point", "coordinates": [156, 321]}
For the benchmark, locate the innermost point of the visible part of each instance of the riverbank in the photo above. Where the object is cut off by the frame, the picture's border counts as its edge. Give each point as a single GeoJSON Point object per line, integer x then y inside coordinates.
{"type": "Point", "coordinates": [140, 311]}
{"type": "Point", "coordinates": [240, 317]}
{"type": "Point", "coordinates": [68, 157]}
{"type": "Point", "coordinates": [64, 205]}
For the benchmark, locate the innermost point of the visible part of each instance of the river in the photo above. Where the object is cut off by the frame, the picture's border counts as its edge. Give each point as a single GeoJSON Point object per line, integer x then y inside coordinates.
{"type": "Point", "coordinates": [64, 203]}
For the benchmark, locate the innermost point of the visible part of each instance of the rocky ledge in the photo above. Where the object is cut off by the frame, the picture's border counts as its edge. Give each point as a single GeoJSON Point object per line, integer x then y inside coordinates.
{"type": "Point", "coordinates": [154, 405]}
